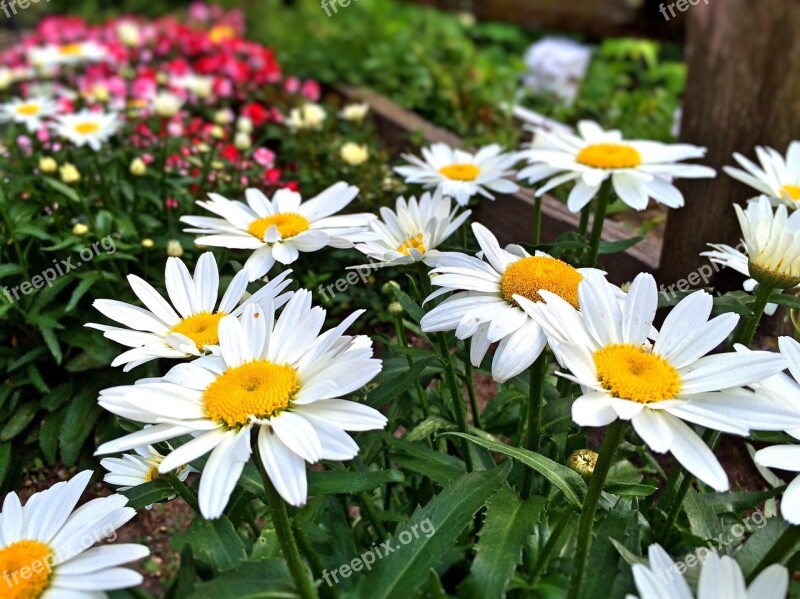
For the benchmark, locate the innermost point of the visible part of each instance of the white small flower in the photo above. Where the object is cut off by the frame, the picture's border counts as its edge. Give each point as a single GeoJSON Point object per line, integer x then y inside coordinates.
{"type": "Point", "coordinates": [30, 112]}
{"type": "Point", "coordinates": [46, 545]}
{"type": "Point", "coordinates": [606, 349]}
{"type": "Point", "coordinates": [199, 85]}
{"type": "Point", "coordinates": [280, 228]}
{"type": "Point", "coordinates": [638, 169]}
{"type": "Point", "coordinates": [129, 33]}
{"type": "Point", "coordinates": [557, 66]}
{"type": "Point", "coordinates": [777, 177]}
{"type": "Point", "coordinates": [277, 375]}
{"type": "Point", "coordinates": [354, 154]}
{"type": "Point", "coordinates": [354, 112]}
{"type": "Point", "coordinates": [412, 232]}
{"type": "Point", "coordinates": [51, 56]}
{"type": "Point", "coordinates": [461, 174]}
{"type": "Point", "coordinates": [166, 105]}
{"type": "Point", "coordinates": [308, 116]}
{"type": "Point", "coordinates": [87, 128]}
{"type": "Point", "coordinates": [191, 327]}
{"type": "Point", "coordinates": [720, 578]}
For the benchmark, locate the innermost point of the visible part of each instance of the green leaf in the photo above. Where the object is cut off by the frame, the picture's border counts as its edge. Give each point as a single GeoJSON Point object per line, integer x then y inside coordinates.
{"type": "Point", "coordinates": [148, 493]}
{"type": "Point", "coordinates": [430, 535]}
{"type": "Point", "coordinates": [398, 385]}
{"type": "Point", "coordinates": [630, 489]}
{"type": "Point", "coordinates": [508, 522]}
{"type": "Point", "coordinates": [740, 500]}
{"type": "Point", "coordinates": [264, 579]}
{"type": "Point", "coordinates": [703, 521]}
{"type": "Point", "coordinates": [63, 189]}
{"type": "Point", "coordinates": [20, 419]}
{"type": "Point", "coordinates": [569, 481]}
{"type": "Point", "coordinates": [214, 542]}
{"type": "Point", "coordinates": [439, 467]}
{"type": "Point", "coordinates": [614, 247]}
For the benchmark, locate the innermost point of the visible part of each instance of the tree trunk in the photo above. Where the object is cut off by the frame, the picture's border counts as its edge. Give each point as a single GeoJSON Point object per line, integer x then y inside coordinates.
{"type": "Point", "coordinates": [743, 90]}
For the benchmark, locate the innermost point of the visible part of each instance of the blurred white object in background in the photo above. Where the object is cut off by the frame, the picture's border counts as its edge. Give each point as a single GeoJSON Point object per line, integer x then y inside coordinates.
{"type": "Point", "coordinates": [556, 66]}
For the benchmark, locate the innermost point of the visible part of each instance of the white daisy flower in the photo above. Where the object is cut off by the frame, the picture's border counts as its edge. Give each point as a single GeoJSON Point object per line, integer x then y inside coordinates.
{"type": "Point", "coordinates": [279, 376]}
{"type": "Point", "coordinates": [784, 390]}
{"type": "Point", "coordinates": [139, 468]}
{"type": "Point", "coordinates": [51, 56]}
{"type": "Point", "coordinates": [46, 545]}
{"type": "Point", "coordinates": [412, 232]}
{"type": "Point", "coordinates": [28, 112]}
{"type": "Point", "coordinates": [605, 347]}
{"type": "Point", "coordinates": [638, 169]}
{"type": "Point", "coordinates": [281, 228]}
{"type": "Point", "coordinates": [771, 242]}
{"type": "Point", "coordinates": [485, 308]}
{"type": "Point", "coordinates": [461, 174]}
{"type": "Point", "coordinates": [777, 177]}
{"type": "Point", "coordinates": [190, 328]}
{"type": "Point", "coordinates": [720, 577]}
{"type": "Point", "coordinates": [86, 128]}
{"type": "Point", "coordinates": [199, 85]}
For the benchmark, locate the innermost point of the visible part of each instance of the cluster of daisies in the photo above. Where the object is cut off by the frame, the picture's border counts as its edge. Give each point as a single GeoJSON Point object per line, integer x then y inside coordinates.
{"type": "Point", "coordinates": [258, 378]}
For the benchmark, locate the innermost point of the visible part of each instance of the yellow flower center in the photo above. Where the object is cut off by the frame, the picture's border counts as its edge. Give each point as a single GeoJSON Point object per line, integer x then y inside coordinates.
{"type": "Point", "coordinates": [415, 242]}
{"type": "Point", "coordinates": [25, 567]}
{"type": "Point", "coordinates": [289, 224]}
{"type": "Point", "coordinates": [87, 128]}
{"type": "Point", "coordinates": [793, 191]}
{"type": "Point", "coordinates": [152, 474]}
{"type": "Point", "coordinates": [608, 156]}
{"type": "Point", "coordinates": [633, 373]}
{"type": "Point", "coordinates": [28, 109]}
{"type": "Point", "coordinates": [70, 50]}
{"type": "Point", "coordinates": [258, 388]}
{"type": "Point", "coordinates": [220, 33]}
{"type": "Point", "coordinates": [527, 276]}
{"type": "Point", "coordinates": [460, 172]}
{"type": "Point", "coordinates": [200, 328]}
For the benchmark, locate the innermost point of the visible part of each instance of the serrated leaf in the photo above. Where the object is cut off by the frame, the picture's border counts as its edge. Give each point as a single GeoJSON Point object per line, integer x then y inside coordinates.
{"type": "Point", "coordinates": [570, 483]}
{"type": "Point", "coordinates": [214, 542]}
{"type": "Point", "coordinates": [508, 522]}
{"type": "Point", "coordinates": [264, 579]}
{"type": "Point", "coordinates": [398, 574]}
{"type": "Point", "coordinates": [148, 493]}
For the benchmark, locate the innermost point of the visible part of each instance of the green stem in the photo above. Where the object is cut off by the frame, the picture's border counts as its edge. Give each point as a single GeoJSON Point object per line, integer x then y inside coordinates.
{"type": "Point", "coordinates": [710, 438]}
{"type": "Point", "coordinates": [366, 505]}
{"type": "Point", "coordinates": [603, 199]}
{"type": "Point", "coordinates": [783, 548]}
{"type": "Point", "coordinates": [400, 331]}
{"type": "Point", "coordinates": [457, 397]}
{"type": "Point", "coordinates": [536, 236]}
{"type": "Point", "coordinates": [535, 400]}
{"type": "Point", "coordinates": [473, 396]}
{"type": "Point", "coordinates": [748, 329]}
{"type": "Point", "coordinates": [316, 565]}
{"type": "Point", "coordinates": [544, 555]}
{"type": "Point", "coordinates": [611, 441]}
{"type": "Point", "coordinates": [185, 491]}
{"type": "Point", "coordinates": [283, 530]}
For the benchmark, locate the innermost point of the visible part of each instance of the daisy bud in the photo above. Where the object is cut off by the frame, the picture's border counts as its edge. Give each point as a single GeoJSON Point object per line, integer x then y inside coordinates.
{"type": "Point", "coordinates": [47, 164]}
{"type": "Point", "coordinates": [583, 462]}
{"type": "Point", "coordinates": [138, 167]}
{"type": "Point", "coordinates": [174, 248]}
{"type": "Point", "coordinates": [242, 141]}
{"type": "Point", "coordinates": [69, 173]}
{"type": "Point", "coordinates": [80, 230]}
{"type": "Point", "coordinates": [147, 243]}
{"type": "Point", "coordinates": [354, 154]}
{"type": "Point", "coordinates": [388, 288]}
{"type": "Point", "coordinates": [396, 309]}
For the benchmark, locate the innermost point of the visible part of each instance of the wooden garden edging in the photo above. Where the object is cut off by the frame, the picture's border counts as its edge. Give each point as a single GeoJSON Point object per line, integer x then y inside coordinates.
{"type": "Point", "coordinates": [510, 216]}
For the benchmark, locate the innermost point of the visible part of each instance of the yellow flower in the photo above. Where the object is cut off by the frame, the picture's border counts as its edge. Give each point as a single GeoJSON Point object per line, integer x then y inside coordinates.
{"type": "Point", "coordinates": [69, 173]}
{"type": "Point", "coordinates": [242, 141]}
{"type": "Point", "coordinates": [48, 164]}
{"type": "Point", "coordinates": [138, 167]}
{"type": "Point", "coordinates": [354, 154]}
{"type": "Point", "coordinates": [80, 230]}
{"type": "Point", "coordinates": [147, 243]}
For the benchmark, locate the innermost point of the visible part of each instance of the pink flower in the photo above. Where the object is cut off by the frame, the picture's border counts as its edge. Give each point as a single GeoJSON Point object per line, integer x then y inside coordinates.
{"type": "Point", "coordinates": [311, 90]}
{"type": "Point", "coordinates": [264, 157]}
{"type": "Point", "coordinates": [291, 85]}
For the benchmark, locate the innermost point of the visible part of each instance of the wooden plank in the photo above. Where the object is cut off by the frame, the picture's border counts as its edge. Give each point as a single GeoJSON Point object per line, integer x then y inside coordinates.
{"type": "Point", "coordinates": [510, 216]}
{"type": "Point", "coordinates": [743, 90]}
{"type": "Point", "coordinates": [593, 18]}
